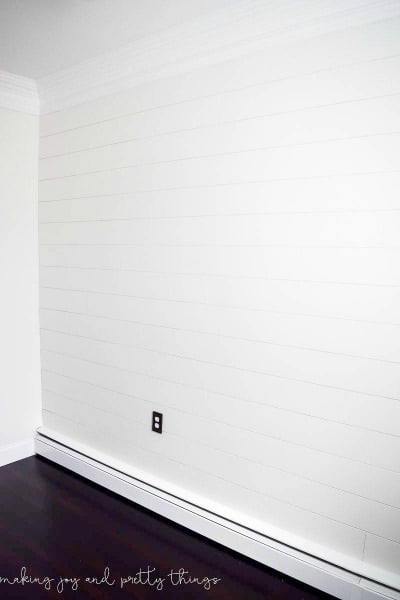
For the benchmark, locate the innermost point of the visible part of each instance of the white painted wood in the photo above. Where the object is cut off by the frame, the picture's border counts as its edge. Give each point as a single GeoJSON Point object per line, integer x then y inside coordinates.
{"type": "Point", "coordinates": [383, 452]}
{"type": "Point", "coordinates": [343, 539]}
{"type": "Point", "coordinates": [246, 129]}
{"type": "Point", "coordinates": [320, 159]}
{"type": "Point", "coordinates": [370, 589]}
{"type": "Point", "coordinates": [221, 244]}
{"type": "Point", "coordinates": [337, 581]}
{"type": "Point", "coordinates": [18, 93]}
{"type": "Point", "coordinates": [212, 284]}
{"type": "Point", "coordinates": [197, 354]}
{"type": "Point", "coordinates": [331, 405]}
{"type": "Point", "coordinates": [316, 334]}
{"type": "Point", "coordinates": [256, 443]}
{"type": "Point", "coordinates": [382, 552]}
{"type": "Point", "coordinates": [273, 482]}
{"type": "Point", "coordinates": [335, 229]}
{"type": "Point", "coordinates": [283, 196]}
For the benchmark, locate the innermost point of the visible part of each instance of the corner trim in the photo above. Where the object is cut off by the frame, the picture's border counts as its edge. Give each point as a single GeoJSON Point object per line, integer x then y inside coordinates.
{"type": "Point", "coordinates": [294, 563]}
{"type": "Point", "coordinates": [18, 93]}
{"type": "Point", "coordinates": [17, 451]}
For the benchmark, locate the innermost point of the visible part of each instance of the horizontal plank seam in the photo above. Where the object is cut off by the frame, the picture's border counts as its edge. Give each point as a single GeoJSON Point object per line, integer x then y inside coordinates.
{"type": "Point", "coordinates": [224, 92]}
{"type": "Point", "coordinates": [219, 154]}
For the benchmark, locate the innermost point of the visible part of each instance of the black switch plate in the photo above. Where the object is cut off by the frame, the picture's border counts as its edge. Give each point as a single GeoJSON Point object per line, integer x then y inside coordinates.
{"type": "Point", "coordinates": [156, 422]}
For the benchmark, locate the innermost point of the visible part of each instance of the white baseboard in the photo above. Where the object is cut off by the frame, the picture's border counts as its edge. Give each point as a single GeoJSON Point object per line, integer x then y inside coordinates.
{"type": "Point", "coordinates": [17, 451]}
{"type": "Point", "coordinates": [308, 569]}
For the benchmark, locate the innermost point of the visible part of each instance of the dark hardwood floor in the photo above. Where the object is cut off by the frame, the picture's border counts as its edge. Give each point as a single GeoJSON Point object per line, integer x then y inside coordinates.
{"type": "Point", "coordinates": [60, 526]}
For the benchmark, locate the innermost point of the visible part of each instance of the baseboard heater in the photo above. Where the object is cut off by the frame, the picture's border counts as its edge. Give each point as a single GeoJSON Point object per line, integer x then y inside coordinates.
{"type": "Point", "coordinates": [309, 569]}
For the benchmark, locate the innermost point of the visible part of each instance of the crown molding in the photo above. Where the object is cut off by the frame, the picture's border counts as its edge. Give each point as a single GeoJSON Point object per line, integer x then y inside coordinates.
{"type": "Point", "coordinates": [18, 93]}
{"type": "Point", "coordinates": [242, 27]}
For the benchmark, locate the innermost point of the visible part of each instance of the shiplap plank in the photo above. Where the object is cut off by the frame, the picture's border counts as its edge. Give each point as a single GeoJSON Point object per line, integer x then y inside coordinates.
{"type": "Point", "coordinates": [302, 297]}
{"type": "Point", "coordinates": [375, 448]}
{"type": "Point", "coordinates": [314, 160]}
{"type": "Point", "coordinates": [324, 298]}
{"type": "Point", "coordinates": [334, 471]}
{"type": "Point", "coordinates": [265, 515]}
{"type": "Point", "coordinates": [329, 502]}
{"type": "Point", "coordinates": [306, 229]}
{"type": "Point", "coordinates": [260, 105]}
{"type": "Point", "coordinates": [252, 395]}
{"type": "Point", "coordinates": [155, 320]}
{"type": "Point", "coordinates": [365, 118]}
{"type": "Point", "coordinates": [372, 192]}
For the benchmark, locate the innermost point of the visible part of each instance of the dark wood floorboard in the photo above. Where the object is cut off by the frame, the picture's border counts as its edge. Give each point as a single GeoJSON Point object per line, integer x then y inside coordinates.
{"type": "Point", "coordinates": [59, 525]}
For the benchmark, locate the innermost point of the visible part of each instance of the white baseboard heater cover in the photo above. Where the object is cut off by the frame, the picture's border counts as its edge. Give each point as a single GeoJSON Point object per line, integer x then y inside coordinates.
{"type": "Point", "coordinates": [310, 570]}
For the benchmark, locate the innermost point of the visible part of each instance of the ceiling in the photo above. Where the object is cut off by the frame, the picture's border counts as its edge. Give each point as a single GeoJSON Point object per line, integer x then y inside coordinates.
{"type": "Point", "coordinates": [39, 37]}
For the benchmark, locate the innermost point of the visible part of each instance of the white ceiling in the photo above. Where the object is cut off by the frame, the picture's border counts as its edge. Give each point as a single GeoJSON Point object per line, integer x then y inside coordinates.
{"type": "Point", "coordinates": [39, 37]}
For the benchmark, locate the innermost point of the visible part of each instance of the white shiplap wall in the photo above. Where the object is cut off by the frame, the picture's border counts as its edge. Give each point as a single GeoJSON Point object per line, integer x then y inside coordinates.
{"type": "Point", "coordinates": [223, 246]}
